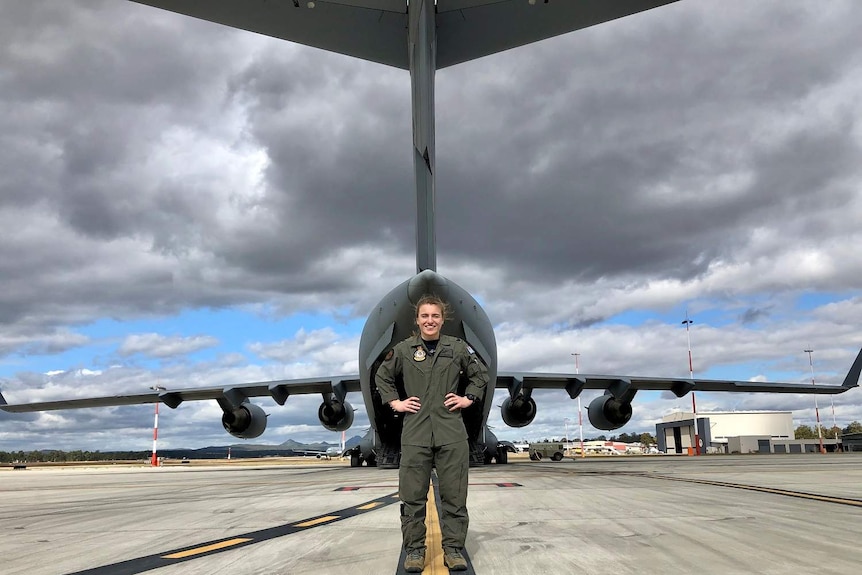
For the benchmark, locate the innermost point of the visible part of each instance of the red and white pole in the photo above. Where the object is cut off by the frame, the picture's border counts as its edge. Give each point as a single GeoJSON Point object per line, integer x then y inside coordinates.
{"type": "Point", "coordinates": [155, 459]}
{"type": "Point", "coordinates": [687, 323]}
{"type": "Point", "coordinates": [816, 407]}
{"type": "Point", "coordinates": [580, 414]}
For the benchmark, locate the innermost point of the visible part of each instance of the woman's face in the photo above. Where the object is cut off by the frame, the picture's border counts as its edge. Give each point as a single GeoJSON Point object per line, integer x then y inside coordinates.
{"type": "Point", "coordinates": [429, 318]}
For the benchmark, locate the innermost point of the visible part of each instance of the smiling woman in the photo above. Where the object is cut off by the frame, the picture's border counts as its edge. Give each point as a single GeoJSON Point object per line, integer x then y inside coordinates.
{"type": "Point", "coordinates": [430, 314]}
{"type": "Point", "coordinates": [433, 430]}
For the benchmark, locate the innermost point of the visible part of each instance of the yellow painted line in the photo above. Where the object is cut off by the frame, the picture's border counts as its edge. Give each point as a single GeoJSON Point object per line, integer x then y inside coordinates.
{"type": "Point", "coordinates": [433, 538]}
{"type": "Point", "coordinates": [371, 505]}
{"type": "Point", "coordinates": [317, 521]}
{"type": "Point", "coordinates": [206, 548]}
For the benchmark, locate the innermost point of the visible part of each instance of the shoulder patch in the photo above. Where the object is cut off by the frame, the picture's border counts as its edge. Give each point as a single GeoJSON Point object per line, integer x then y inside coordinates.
{"type": "Point", "coordinates": [389, 355]}
{"type": "Point", "coordinates": [471, 350]}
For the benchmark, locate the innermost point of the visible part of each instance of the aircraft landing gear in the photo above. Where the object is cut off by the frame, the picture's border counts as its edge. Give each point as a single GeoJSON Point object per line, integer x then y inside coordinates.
{"type": "Point", "coordinates": [502, 455]}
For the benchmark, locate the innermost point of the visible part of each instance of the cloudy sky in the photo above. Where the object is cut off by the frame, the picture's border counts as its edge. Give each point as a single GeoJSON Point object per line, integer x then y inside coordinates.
{"type": "Point", "coordinates": [184, 204]}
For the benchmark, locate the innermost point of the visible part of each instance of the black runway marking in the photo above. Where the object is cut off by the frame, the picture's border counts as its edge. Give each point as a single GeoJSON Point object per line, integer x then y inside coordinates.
{"type": "Point", "coordinates": [174, 556]}
{"type": "Point", "coordinates": [774, 491]}
{"type": "Point", "coordinates": [849, 501]}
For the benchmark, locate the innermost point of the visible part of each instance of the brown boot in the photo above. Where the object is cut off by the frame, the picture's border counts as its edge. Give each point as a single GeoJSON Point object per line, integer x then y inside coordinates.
{"type": "Point", "coordinates": [453, 559]}
{"type": "Point", "coordinates": [415, 561]}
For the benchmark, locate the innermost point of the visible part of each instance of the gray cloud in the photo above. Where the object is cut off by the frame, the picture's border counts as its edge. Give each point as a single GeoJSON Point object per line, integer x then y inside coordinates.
{"type": "Point", "coordinates": [156, 345]}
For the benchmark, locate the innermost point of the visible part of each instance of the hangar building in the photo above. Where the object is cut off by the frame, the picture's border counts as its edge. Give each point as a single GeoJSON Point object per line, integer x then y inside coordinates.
{"type": "Point", "coordinates": [735, 432]}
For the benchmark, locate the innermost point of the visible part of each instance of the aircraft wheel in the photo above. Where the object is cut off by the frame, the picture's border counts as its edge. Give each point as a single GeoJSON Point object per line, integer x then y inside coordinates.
{"type": "Point", "coordinates": [354, 460]}
{"type": "Point", "coordinates": [557, 456]}
{"type": "Point", "coordinates": [371, 462]}
{"type": "Point", "coordinates": [502, 455]}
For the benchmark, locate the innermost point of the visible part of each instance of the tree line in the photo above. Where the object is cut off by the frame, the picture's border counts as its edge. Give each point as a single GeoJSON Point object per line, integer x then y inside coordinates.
{"type": "Point", "coordinates": [58, 456]}
{"type": "Point", "coordinates": [644, 438]}
{"type": "Point", "coordinates": [809, 432]}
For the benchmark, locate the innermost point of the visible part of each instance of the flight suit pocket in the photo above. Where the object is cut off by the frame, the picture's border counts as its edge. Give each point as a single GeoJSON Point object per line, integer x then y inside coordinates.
{"type": "Point", "coordinates": [447, 352]}
{"type": "Point", "coordinates": [450, 370]}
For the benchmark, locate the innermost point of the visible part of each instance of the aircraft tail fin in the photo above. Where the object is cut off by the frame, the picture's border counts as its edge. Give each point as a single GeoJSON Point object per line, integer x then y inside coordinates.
{"type": "Point", "coordinates": [852, 379]}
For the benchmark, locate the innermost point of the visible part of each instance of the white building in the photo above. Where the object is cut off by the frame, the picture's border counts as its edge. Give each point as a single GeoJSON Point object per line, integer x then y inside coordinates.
{"type": "Point", "coordinates": [675, 434]}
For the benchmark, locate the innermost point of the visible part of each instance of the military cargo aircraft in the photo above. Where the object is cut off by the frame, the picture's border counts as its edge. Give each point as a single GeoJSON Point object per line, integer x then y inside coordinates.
{"type": "Point", "coordinates": [422, 36]}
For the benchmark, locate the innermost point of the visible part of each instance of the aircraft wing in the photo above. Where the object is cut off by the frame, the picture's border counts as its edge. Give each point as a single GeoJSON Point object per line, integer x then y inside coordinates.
{"type": "Point", "coordinates": [376, 30]}
{"type": "Point", "coordinates": [618, 384]}
{"type": "Point", "coordinates": [279, 390]}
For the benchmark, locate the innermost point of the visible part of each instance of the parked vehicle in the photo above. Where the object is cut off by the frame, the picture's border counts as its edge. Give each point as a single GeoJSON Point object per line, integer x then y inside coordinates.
{"type": "Point", "coordinates": [550, 449]}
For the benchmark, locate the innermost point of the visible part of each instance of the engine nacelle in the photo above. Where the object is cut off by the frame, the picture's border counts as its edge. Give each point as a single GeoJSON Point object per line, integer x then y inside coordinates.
{"type": "Point", "coordinates": [335, 415]}
{"type": "Point", "coordinates": [607, 412]}
{"type": "Point", "coordinates": [518, 412]}
{"type": "Point", "coordinates": [246, 421]}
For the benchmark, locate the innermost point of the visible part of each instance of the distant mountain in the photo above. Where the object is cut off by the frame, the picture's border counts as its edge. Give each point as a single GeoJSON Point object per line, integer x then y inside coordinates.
{"type": "Point", "coordinates": [290, 445]}
{"type": "Point", "coordinates": [287, 448]}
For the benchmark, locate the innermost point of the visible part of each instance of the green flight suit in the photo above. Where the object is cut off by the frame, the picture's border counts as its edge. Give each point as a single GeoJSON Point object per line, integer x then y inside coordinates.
{"type": "Point", "coordinates": [434, 436]}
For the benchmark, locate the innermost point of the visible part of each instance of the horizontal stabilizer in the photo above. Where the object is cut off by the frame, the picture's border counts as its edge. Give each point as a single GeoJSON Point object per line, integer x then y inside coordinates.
{"type": "Point", "coordinates": [376, 30]}
{"type": "Point", "coordinates": [489, 27]}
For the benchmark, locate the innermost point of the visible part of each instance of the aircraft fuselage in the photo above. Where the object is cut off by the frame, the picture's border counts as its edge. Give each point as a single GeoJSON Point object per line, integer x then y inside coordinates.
{"type": "Point", "coordinates": [393, 320]}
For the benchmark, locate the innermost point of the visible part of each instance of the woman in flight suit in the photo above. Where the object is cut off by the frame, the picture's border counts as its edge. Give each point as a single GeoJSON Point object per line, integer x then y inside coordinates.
{"type": "Point", "coordinates": [433, 432]}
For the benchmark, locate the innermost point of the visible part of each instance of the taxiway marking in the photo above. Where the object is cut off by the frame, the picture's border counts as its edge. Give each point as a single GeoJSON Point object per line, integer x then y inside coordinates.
{"type": "Point", "coordinates": [434, 538]}
{"type": "Point", "coordinates": [207, 548]}
{"type": "Point", "coordinates": [164, 559]}
{"type": "Point", "coordinates": [318, 521]}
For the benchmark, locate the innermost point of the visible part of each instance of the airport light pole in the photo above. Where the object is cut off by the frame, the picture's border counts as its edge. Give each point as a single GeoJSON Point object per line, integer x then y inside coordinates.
{"type": "Point", "coordinates": [834, 423]}
{"type": "Point", "coordinates": [580, 413]}
{"type": "Point", "coordinates": [816, 407]}
{"type": "Point", "coordinates": [687, 323]}
{"type": "Point", "coordinates": [155, 459]}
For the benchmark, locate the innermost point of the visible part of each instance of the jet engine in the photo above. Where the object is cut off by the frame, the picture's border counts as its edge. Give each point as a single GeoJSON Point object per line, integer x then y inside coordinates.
{"type": "Point", "coordinates": [518, 412]}
{"type": "Point", "coordinates": [335, 415]}
{"type": "Point", "coordinates": [246, 421]}
{"type": "Point", "coordinates": [607, 412]}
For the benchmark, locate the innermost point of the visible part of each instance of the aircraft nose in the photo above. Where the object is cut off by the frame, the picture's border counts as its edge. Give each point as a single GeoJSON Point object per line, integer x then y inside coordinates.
{"type": "Point", "coordinates": [427, 282]}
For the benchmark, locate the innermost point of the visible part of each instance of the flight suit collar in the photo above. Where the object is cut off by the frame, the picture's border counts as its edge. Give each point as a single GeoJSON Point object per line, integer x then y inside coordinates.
{"type": "Point", "coordinates": [416, 342]}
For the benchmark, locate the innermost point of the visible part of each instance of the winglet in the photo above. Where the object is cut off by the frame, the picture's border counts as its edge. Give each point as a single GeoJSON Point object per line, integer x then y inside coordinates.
{"type": "Point", "coordinates": [852, 379]}
{"type": "Point", "coordinates": [2, 399]}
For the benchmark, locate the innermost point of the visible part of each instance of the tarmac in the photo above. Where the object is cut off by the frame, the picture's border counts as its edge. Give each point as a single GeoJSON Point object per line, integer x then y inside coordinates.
{"type": "Point", "coordinates": [764, 514]}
